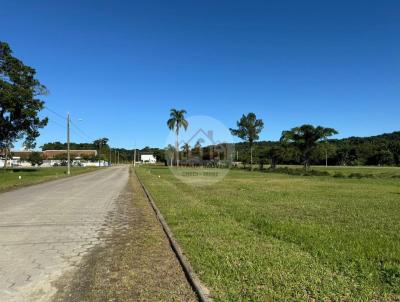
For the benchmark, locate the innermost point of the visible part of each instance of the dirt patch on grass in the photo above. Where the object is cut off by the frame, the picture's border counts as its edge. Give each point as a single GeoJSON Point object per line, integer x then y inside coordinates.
{"type": "Point", "coordinates": [135, 263]}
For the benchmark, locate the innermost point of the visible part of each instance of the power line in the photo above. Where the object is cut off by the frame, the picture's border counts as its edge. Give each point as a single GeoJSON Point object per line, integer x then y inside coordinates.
{"type": "Point", "coordinates": [81, 131]}
{"type": "Point", "coordinates": [78, 130]}
{"type": "Point", "coordinates": [57, 123]}
{"type": "Point", "coordinates": [56, 113]}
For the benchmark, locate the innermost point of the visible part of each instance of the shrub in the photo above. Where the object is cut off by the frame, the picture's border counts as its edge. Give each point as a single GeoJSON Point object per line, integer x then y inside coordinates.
{"type": "Point", "coordinates": [339, 175]}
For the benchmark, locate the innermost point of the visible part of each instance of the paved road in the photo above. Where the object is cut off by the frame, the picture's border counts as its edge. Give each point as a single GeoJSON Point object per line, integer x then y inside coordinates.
{"type": "Point", "coordinates": [47, 228]}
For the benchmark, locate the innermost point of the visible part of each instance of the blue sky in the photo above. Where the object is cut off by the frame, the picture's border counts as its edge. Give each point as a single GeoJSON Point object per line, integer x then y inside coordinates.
{"type": "Point", "coordinates": [121, 65]}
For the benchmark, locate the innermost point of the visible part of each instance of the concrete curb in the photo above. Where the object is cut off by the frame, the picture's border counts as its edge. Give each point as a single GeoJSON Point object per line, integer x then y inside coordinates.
{"type": "Point", "coordinates": [194, 281]}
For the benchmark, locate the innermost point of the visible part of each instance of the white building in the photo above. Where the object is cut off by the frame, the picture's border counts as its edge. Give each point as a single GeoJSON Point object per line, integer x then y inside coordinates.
{"type": "Point", "coordinates": [148, 158]}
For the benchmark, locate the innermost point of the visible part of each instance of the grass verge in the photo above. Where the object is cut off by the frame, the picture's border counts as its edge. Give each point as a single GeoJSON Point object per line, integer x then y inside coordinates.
{"type": "Point", "coordinates": [276, 237]}
{"type": "Point", "coordinates": [20, 177]}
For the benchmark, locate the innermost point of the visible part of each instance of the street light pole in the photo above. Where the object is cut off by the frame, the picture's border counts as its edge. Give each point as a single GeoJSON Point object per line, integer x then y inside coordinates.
{"type": "Point", "coordinates": [68, 148]}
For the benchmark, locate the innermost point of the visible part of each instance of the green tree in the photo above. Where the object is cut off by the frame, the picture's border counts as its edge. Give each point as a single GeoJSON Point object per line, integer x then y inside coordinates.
{"type": "Point", "coordinates": [306, 139]}
{"type": "Point", "coordinates": [383, 157]}
{"type": "Point", "coordinates": [275, 153]}
{"type": "Point", "coordinates": [175, 123]}
{"type": "Point", "coordinates": [249, 128]}
{"type": "Point", "coordinates": [100, 143]}
{"type": "Point", "coordinates": [35, 158]}
{"type": "Point", "coordinates": [262, 158]}
{"type": "Point", "coordinates": [19, 105]}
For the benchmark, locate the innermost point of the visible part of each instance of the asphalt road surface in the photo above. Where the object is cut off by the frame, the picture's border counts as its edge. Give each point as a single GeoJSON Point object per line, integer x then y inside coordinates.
{"type": "Point", "coordinates": [46, 229]}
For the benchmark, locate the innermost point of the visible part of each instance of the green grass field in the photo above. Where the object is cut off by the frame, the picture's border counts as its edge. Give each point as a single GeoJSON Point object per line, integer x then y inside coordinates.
{"type": "Point", "coordinates": [9, 178]}
{"type": "Point", "coordinates": [276, 237]}
{"type": "Point", "coordinates": [373, 171]}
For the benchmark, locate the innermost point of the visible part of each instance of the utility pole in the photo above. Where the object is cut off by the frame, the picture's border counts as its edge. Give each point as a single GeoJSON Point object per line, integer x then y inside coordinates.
{"type": "Point", "coordinates": [134, 158]}
{"type": "Point", "coordinates": [68, 149]}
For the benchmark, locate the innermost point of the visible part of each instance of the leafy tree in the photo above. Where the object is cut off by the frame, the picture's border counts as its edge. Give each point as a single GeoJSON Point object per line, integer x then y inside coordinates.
{"type": "Point", "coordinates": [275, 153]}
{"type": "Point", "coordinates": [249, 128]}
{"type": "Point", "coordinates": [324, 153]}
{"type": "Point", "coordinates": [35, 158]}
{"type": "Point", "coordinates": [383, 157]}
{"type": "Point", "coordinates": [100, 143]}
{"type": "Point", "coordinates": [394, 147]}
{"type": "Point", "coordinates": [175, 123]}
{"type": "Point", "coordinates": [197, 149]}
{"type": "Point", "coordinates": [19, 105]}
{"type": "Point", "coordinates": [346, 155]}
{"type": "Point", "coordinates": [262, 158]}
{"type": "Point", "coordinates": [306, 139]}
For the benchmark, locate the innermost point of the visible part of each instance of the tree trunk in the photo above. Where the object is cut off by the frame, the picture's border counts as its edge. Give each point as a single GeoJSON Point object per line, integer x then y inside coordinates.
{"type": "Point", "coordinates": [5, 157]}
{"type": "Point", "coordinates": [273, 164]}
{"type": "Point", "coordinates": [306, 164]}
{"type": "Point", "coordinates": [326, 158]}
{"type": "Point", "coordinates": [177, 150]}
{"type": "Point", "coordinates": [251, 157]}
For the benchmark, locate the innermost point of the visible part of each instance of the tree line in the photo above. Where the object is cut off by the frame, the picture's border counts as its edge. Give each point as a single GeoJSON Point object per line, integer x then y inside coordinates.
{"type": "Point", "coordinates": [303, 145]}
{"type": "Point", "coordinates": [380, 150]}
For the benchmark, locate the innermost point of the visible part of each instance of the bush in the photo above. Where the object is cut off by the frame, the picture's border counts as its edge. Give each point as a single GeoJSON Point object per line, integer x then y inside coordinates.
{"type": "Point", "coordinates": [361, 175]}
{"type": "Point", "coordinates": [300, 172]}
{"type": "Point", "coordinates": [339, 175]}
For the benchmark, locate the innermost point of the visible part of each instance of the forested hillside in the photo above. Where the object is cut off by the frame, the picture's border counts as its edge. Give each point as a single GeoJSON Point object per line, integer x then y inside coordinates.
{"type": "Point", "coordinates": [382, 149]}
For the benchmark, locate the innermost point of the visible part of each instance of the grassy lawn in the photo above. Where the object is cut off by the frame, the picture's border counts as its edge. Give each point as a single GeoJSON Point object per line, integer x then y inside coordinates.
{"type": "Point", "coordinates": [375, 171]}
{"type": "Point", "coordinates": [9, 178]}
{"type": "Point", "coordinates": [276, 237]}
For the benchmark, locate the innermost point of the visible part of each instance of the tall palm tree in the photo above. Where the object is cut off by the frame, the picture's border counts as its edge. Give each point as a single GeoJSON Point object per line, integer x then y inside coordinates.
{"type": "Point", "coordinates": [175, 123]}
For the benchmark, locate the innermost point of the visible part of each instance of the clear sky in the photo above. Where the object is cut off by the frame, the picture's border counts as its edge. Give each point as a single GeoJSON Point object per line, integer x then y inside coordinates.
{"type": "Point", "coordinates": [121, 65]}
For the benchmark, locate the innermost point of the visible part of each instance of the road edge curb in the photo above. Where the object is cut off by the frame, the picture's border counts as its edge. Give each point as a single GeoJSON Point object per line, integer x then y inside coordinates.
{"type": "Point", "coordinates": [191, 276]}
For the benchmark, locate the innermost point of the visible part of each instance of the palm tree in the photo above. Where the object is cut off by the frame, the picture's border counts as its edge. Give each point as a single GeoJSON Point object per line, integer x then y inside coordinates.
{"type": "Point", "coordinates": [306, 139]}
{"type": "Point", "coordinates": [249, 127]}
{"type": "Point", "coordinates": [186, 150]}
{"type": "Point", "coordinates": [175, 123]}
